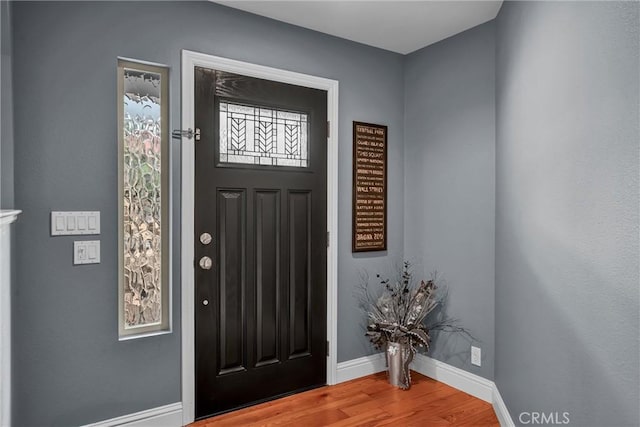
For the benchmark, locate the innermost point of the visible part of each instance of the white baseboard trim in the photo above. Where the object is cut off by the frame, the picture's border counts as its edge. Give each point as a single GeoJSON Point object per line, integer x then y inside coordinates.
{"type": "Point", "coordinates": [504, 417]}
{"type": "Point", "coordinates": [467, 382]}
{"type": "Point", "coordinates": [162, 416]}
{"type": "Point", "coordinates": [472, 384]}
{"type": "Point", "coordinates": [360, 367]}
{"type": "Point", "coordinates": [482, 388]}
{"type": "Point", "coordinates": [457, 378]}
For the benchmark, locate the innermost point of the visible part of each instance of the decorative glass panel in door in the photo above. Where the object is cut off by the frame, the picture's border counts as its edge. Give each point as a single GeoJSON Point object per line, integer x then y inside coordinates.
{"type": "Point", "coordinates": [262, 136]}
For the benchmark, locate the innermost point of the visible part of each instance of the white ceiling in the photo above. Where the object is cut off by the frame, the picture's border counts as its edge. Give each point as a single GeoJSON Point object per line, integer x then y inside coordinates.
{"type": "Point", "coordinates": [398, 26]}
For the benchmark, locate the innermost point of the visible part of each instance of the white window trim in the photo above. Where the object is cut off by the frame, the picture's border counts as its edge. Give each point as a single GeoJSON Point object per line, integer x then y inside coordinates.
{"type": "Point", "coordinates": [190, 60]}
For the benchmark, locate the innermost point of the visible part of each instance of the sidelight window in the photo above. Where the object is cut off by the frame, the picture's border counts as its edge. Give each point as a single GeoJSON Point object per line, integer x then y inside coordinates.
{"type": "Point", "coordinates": [143, 250]}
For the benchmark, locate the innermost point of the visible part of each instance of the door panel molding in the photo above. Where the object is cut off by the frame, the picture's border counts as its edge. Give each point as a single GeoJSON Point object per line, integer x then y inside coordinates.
{"type": "Point", "coordinates": [268, 276]}
{"type": "Point", "coordinates": [190, 60]}
{"type": "Point", "coordinates": [231, 240]}
{"type": "Point", "coordinates": [299, 273]}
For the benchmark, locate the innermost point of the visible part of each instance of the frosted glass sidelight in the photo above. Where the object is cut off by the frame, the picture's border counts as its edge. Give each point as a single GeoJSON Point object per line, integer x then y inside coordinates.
{"type": "Point", "coordinates": [262, 136]}
{"type": "Point", "coordinates": [143, 151]}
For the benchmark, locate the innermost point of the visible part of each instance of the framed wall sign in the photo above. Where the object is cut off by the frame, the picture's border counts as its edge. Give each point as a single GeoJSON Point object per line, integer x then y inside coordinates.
{"type": "Point", "coordinates": [369, 187]}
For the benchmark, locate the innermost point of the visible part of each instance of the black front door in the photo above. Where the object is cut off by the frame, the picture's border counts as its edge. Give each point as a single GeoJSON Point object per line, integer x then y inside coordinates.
{"type": "Point", "coordinates": [260, 240]}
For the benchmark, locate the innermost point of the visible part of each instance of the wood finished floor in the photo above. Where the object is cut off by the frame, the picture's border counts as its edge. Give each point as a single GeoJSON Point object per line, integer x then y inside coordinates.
{"type": "Point", "coordinates": [367, 401]}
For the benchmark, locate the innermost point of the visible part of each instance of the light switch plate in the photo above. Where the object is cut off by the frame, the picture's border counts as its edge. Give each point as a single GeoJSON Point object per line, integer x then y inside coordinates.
{"type": "Point", "coordinates": [86, 252]}
{"type": "Point", "coordinates": [74, 223]}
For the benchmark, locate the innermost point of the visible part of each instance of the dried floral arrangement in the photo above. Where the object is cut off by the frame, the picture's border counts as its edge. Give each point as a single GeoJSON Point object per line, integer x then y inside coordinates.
{"type": "Point", "coordinates": [406, 312]}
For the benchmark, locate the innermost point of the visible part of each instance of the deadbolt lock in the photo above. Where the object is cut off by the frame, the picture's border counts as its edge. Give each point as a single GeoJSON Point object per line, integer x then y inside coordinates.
{"type": "Point", "coordinates": [205, 238]}
{"type": "Point", "coordinates": [206, 263]}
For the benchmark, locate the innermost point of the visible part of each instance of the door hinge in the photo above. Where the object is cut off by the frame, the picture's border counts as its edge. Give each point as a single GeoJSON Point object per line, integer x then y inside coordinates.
{"type": "Point", "coordinates": [327, 348]}
{"type": "Point", "coordinates": [189, 134]}
{"type": "Point", "coordinates": [328, 129]}
{"type": "Point", "coordinates": [328, 238]}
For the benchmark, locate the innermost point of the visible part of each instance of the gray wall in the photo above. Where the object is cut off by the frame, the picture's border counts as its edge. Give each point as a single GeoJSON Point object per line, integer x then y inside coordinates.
{"type": "Point", "coordinates": [556, 160]}
{"type": "Point", "coordinates": [450, 182]}
{"type": "Point", "coordinates": [567, 210]}
{"type": "Point", "coordinates": [69, 366]}
{"type": "Point", "coordinates": [6, 109]}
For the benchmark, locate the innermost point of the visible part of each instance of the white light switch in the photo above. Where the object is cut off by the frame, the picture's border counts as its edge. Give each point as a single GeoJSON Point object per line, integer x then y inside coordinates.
{"type": "Point", "coordinates": [86, 252]}
{"type": "Point", "coordinates": [94, 222]}
{"type": "Point", "coordinates": [60, 224]}
{"type": "Point", "coordinates": [92, 252]}
{"type": "Point", "coordinates": [73, 223]}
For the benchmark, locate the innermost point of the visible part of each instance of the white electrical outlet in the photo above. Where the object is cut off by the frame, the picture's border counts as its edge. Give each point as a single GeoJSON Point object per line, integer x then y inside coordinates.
{"type": "Point", "coordinates": [476, 356]}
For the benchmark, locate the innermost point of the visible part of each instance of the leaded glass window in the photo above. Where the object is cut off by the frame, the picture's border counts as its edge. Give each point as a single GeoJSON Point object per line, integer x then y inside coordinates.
{"type": "Point", "coordinates": [143, 199]}
{"type": "Point", "coordinates": [255, 135]}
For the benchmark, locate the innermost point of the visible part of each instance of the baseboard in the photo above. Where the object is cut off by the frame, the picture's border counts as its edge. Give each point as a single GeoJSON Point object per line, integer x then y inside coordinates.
{"type": "Point", "coordinates": [467, 382]}
{"type": "Point", "coordinates": [472, 384]}
{"type": "Point", "coordinates": [360, 367]}
{"type": "Point", "coordinates": [171, 415]}
{"type": "Point", "coordinates": [482, 388]}
{"type": "Point", "coordinates": [163, 416]}
{"type": "Point", "coordinates": [504, 417]}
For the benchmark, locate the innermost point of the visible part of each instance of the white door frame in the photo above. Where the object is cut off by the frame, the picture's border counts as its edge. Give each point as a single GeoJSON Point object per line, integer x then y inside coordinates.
{"type": "Point", "coordinates": [190, 60]}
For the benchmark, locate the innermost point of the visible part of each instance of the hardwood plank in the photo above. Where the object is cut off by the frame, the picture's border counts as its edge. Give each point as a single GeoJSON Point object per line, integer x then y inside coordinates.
{"type": "Point", "coordinates": [323, 417]}
{"type": "Point", "coordinates": [416, 418]}
{"type": "Point", "coordinates": [459, 414]}
{"type": "Point", "coordinates": [437, 399]}
{"type": "Point", "coordinates": [372, 417]}
{"type": "Point", "coordinates": [367, 401]}
{"type": "Point", "coordinates": [486, 417]}
{"type": "Point", "coordinates": [391, 395]}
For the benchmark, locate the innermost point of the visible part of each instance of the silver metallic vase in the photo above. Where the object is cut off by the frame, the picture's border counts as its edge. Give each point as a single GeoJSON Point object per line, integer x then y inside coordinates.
{"type": "Point", "coordinates": [399, 356]}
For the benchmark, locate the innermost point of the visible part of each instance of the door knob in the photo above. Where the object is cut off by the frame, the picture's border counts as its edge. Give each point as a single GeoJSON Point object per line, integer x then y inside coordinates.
{"type": "Point", "coordinates": [205, 302]}
{"type": "Point", "coordinates": [206, 263]}
{"type": "Point", "coordinates": [205, 238]}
